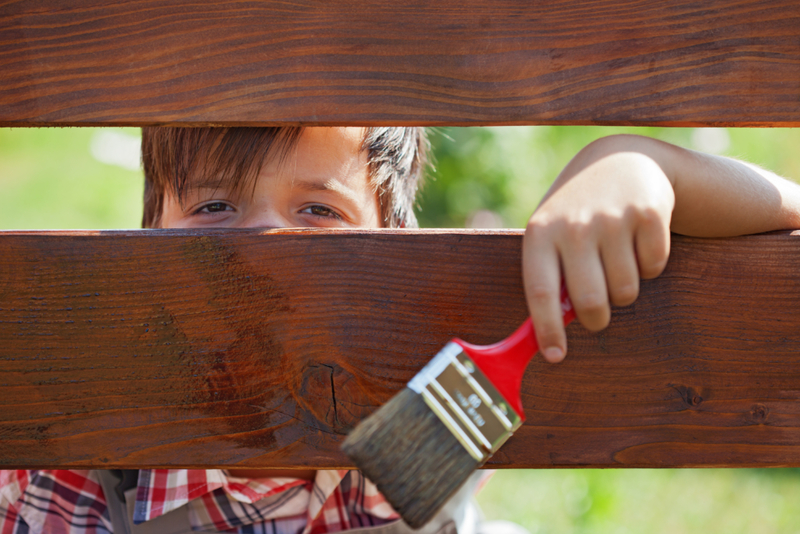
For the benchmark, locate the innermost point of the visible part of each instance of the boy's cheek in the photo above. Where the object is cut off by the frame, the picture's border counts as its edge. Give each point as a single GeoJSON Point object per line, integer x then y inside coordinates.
{"type": "Point", "coordinates": [375, 219]}
{"type": "Point", "coordinates": [172, 214]}
{"type": "Point", "coordinates": [168, 215]}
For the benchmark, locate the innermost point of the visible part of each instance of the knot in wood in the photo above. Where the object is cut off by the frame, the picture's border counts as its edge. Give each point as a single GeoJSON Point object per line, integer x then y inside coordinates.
{"type": "Point", "coordinates": [759, 413]}
{"type": "Point", "coordinates": [691, 397]}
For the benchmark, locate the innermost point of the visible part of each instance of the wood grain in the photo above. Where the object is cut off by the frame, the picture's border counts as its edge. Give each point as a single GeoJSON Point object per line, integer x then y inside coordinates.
{"type": "Point", "coordinates": [263, 348]}
{"type": "Point", "coordinates": [465, 62]}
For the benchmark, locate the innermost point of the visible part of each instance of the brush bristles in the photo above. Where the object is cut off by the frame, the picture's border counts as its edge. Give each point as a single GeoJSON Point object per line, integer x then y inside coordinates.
{"type": "Point", "coordinates": [413, 459]}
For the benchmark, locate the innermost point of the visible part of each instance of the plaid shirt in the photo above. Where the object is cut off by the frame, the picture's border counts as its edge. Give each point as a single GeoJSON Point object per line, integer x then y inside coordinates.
{"type": "Point", "coordinates": [62, 501]}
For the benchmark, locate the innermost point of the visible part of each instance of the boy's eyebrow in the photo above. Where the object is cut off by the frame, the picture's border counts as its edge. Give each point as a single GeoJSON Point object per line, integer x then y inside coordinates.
{"type": "Point", "coordinates": [327, 185]}
{"type": "Point", "coordinates": [313, 186]}
{"type": "Point", "coordinates": [206, 183]}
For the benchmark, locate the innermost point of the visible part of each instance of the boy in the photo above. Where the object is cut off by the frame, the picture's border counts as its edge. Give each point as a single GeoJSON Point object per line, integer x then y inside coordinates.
{"type": "Point", "coordinates": [604, 223]}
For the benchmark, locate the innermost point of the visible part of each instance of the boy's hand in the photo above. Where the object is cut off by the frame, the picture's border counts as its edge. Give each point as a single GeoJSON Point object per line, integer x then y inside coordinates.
{"type": "Point", "coordinates": [603, 224]}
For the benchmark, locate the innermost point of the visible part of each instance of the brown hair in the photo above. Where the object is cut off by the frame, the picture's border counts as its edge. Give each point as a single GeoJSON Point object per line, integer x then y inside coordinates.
{"type": "Point", "coordinates": [171, 156]}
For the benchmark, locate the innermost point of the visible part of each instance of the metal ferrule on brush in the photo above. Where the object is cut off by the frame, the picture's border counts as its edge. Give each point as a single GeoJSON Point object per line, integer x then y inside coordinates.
{"type": "Point", "coordinates": [466, 402]}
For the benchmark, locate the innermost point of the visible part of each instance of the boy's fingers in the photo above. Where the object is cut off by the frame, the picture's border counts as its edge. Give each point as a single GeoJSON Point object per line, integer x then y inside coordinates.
{"type": "Point", "coordinates": [621, 270]}
{"type": "Point", "coordinates": [542, 281]}
{"type": "Point", "coordinates": [652, 246]}
{"type": "Point", "coordinates": [586, 285]}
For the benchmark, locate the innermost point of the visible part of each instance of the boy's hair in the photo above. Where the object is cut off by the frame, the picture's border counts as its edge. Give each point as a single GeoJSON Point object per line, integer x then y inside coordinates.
{"type": "Point", "coordinates": [234, 156]}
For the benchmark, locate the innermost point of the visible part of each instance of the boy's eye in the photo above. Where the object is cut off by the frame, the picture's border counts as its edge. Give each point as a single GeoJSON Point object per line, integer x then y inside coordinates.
{"type": "Point", "coordinates": [213, 207]}
{"type": "Point", "coordinates": [321, 211]}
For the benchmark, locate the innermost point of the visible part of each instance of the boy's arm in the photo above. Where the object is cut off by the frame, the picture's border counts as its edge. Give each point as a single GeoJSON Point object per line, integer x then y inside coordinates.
{"type": "Point", "coordinates": [606, 222]}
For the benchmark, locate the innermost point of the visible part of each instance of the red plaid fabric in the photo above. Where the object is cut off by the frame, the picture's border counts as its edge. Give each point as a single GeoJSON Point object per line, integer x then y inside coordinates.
{"type": "Point", "coordinates": [63, 501]}
{"type": "Point", "coordinates": [52, 502]}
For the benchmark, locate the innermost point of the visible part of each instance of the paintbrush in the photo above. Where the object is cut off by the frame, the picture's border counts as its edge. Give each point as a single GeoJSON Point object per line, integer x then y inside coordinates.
{"type": "Point", "coordinates": [423, 444]}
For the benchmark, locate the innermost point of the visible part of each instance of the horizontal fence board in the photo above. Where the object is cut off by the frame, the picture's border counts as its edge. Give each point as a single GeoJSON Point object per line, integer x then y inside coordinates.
{"type": "Point", "coordinates": [466, 62]}
{"type": "Point", "coordinates": [252, 348]}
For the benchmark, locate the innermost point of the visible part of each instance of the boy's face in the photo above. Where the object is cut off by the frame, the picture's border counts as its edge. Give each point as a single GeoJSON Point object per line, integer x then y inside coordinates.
{"type": "Point", "coordinates": [322, 182]}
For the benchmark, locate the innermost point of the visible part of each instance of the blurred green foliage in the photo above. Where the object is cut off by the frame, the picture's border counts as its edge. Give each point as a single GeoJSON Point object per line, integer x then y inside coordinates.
{"type": "Point", "coordinates": [50, 178]}
{"type": "Point", "coordinates": [506, 170]}
{"type": "Point", "coordinates": [646, 501]}
{"type": "Point", "coordinates": [88, 178]}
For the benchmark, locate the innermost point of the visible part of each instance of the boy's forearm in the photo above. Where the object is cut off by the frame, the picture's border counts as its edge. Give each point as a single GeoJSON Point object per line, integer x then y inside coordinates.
{"type": "Point", "coordinates": [717, 196]}
{"type": "Point", "coordinates": [725, 197]}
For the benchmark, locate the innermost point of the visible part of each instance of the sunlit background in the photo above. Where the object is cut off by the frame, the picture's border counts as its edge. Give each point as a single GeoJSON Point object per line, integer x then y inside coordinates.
{"type": "Point", "coordinates": [483, 178]}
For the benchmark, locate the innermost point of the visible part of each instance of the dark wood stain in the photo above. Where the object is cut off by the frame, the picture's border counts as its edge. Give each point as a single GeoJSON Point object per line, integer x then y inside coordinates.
{"type": "Point", "coordinates": [263, 349]}
{"type": "Point", "coordinates": [710, 62]}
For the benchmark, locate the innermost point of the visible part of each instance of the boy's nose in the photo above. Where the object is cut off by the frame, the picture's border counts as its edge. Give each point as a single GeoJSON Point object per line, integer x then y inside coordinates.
{"type": "Point", "coordinates": [264, 219]}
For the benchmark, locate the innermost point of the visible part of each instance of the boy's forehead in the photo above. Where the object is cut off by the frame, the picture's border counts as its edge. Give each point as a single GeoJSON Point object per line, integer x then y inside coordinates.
{"type": "Point", "coordinates": [322, 152]}
{"type": "Point", "coordinates": [338, 143]}
{"type": "Point", "coordinates": [333, 152]}
{"type": "Point", "coordinates": [350, 137]}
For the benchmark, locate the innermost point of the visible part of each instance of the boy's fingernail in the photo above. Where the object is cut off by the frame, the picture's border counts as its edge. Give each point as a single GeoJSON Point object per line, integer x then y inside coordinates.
{"type": "Point", "coordinates": [553, 354]}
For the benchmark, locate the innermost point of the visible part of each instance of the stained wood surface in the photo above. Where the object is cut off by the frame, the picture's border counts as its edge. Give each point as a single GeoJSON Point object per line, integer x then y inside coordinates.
{"type": "Point", "coordinates": [262, 349]}
{"type": "Point", "coordinates": [709, 62]}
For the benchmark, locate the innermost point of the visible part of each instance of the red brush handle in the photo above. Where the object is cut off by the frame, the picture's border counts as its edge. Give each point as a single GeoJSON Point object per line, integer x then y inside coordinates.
{"type": "Point", "coordinates": [504, 363]}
